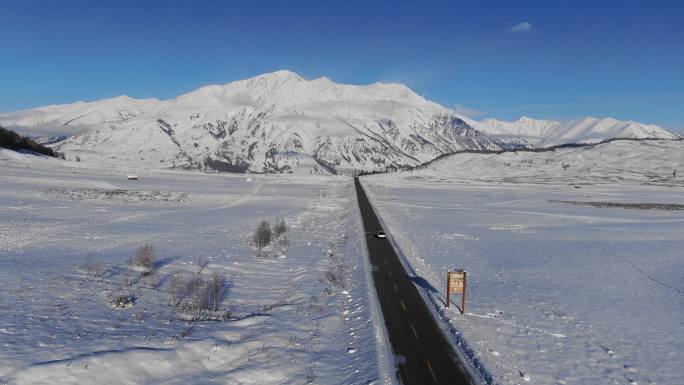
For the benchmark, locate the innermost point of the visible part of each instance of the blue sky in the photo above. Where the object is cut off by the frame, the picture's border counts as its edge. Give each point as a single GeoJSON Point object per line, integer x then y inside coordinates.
{"type": "Point", "coordinates": [504, 59]}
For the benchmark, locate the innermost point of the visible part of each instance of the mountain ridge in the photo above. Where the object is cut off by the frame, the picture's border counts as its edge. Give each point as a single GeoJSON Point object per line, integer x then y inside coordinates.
{"type": "Point", "coordinates": [548, 133]}
{"type": "Point", "coordinates": [281, 122]}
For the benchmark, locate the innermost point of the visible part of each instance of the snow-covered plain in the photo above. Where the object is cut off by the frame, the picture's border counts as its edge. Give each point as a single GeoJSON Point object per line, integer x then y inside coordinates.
{"type": "Point", "coordinates": [289, 323]}
{"type": "Point", "coordinates": [559, 293]}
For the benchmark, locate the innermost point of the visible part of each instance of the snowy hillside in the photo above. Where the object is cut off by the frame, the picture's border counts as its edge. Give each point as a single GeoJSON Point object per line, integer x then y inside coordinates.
{"type": "Point", "coordinates": [69, 119]}
{"type": "Point", "coordinates": [624, 162]}
{"type": "Point", "coordinates": [545, 133]}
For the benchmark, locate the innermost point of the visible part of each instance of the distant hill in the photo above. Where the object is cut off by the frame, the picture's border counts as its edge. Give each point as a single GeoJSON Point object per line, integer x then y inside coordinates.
{"type": "Point", "coordinates": [653, 162]}
{"type": "Point", "coordinates": [533, 133]}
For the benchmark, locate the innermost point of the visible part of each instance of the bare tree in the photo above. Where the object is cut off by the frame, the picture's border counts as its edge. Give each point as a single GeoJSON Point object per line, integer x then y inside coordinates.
{"type": "Point", "coordinates": [144, 258]}
{"type": "Point", "coordinates": [198, 297]}
{"type": "Point", "coordinates": [93, 269]}
{"type": "Point", "coordinates": [217, 290]}
{"type": "Point", "coordinates": [177, 288]}
{"type": "Point", "coordinates": [280, 228]}
{"type": "Point", "coordinates": [201, 264]}
{"type": "Point", "coordinates": [262, 236]}
{"type": "Point", "coordinates": [128, 273]}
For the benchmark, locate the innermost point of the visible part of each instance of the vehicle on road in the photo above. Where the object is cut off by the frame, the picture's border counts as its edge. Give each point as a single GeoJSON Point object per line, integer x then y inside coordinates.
{"type": "Point", "coordinates": [381, 235]}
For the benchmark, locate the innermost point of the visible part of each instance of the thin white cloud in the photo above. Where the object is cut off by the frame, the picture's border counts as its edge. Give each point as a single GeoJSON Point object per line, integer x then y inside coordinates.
{"type": "Point", "coordinates": [522, 27]}
{"type": "Point", "coordinates": [465, 111]}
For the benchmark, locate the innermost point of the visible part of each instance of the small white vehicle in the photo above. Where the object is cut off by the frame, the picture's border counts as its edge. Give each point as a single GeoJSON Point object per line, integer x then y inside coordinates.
{"type": "Point", "coordinates": [381, 235]}
{"type": "Point", "coordinates": [132, 177]}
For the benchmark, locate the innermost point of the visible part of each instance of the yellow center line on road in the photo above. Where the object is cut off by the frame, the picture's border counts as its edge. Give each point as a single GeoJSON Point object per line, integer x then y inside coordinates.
{"type": "Point", "coordinates": [402, 305]}
{"type": "Point", "coordinates": [413, 329]}
{"type": "Point", "coordinates": [432, 372]}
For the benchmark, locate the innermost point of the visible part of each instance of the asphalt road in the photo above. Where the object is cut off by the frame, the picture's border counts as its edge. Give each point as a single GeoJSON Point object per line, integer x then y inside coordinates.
{"type": "Point", "coordinates": [422, 352]}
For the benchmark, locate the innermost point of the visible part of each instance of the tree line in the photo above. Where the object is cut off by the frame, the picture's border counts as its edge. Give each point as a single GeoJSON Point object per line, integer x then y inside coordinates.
{"type": "Point", "coordinates": [13, 141]}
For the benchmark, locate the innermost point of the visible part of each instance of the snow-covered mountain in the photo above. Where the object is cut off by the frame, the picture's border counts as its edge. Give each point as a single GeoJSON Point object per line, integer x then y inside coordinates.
{"type": "Point", "coordinates": [69, 119]}
{"type": "Point", "coordinates": [530, 132]}
{"type": "Point", "coordinates": [280, 122]}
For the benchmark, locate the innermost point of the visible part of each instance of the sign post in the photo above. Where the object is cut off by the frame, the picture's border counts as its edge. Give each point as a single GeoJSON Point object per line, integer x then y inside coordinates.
{"type": "Point", "coordinates": [457, 283]}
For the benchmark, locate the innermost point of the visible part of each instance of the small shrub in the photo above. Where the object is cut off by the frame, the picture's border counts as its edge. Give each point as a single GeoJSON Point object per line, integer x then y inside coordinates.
{"type": "Point", "coordinates": [331, 277]}
{"type": "Point", "coordinates": [292, 340]}
{"type": "Point", "coordinates": [177, 289]}
{"type": "Point", "coordinates": [92, 268]}
{"type": "Point", "coordinates": [183, 333]}
{"type": "Point", "coordinates": [201, 264]}
{"type": "Point", "coordinates": [262, 236]}
{"type": "Point", "coordinates": [336, 275]}
{"type": "Point", "coordinates": [128, 274]}
{"type": "Point", "coordinates": [217, 291]}
{"type": "Point", "coordinates": [199, 298]}
{"type": "Point", "coordinates": [123, 301]}
{"type": "Point", "coordinates": [310, 373]}
{"type": "Point", "coordinates": [280, 228]}
{"type": "Point", "coordinates": [144, 258]}
{"type": "Point", "coordinates": [140, 315]}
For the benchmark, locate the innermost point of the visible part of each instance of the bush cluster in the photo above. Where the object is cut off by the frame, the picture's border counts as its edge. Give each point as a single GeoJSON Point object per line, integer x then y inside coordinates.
{"type": "Point", "coordinates": [263, 234]}
{"type": "Point", "coordinates": [197, 295]}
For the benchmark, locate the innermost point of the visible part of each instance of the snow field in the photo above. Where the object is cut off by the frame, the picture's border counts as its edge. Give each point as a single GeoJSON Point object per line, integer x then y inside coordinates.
{"type": "Point", "coordinates": [558, 293]}
{"type": "Point", "coordinates": [300, 314]}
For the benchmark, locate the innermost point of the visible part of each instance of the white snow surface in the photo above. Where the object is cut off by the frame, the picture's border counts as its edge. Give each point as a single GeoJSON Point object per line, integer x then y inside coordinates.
{"type": "Point", "coordinates": [288, 323]}
{"type": "Point", "coordinates": [560, 292]}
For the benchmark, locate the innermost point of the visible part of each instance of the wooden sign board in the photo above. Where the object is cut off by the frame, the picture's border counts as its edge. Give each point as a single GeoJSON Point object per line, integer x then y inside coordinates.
{"type": "Point", "coordinates": [457, 283]}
